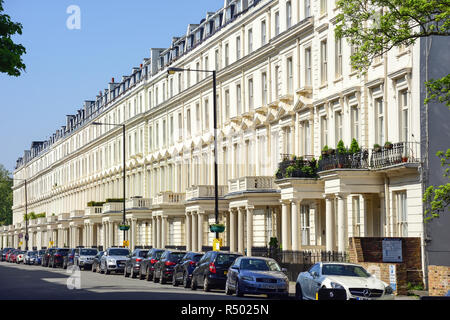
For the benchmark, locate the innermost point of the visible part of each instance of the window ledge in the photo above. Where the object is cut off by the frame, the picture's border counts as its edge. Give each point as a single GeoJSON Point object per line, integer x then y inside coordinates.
{"type": "Point", "coordinates": [323, 86]}
{"type": "Point", "coordinates": [338, 79]}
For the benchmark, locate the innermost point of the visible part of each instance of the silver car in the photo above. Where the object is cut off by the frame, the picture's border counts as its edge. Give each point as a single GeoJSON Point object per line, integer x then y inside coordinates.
{"type": "Point", "coordinates": [114, 259]}
{"type": "Point", "coordinates": [353, 278]}
{"type": "Point", "coordinates": [84, 257]}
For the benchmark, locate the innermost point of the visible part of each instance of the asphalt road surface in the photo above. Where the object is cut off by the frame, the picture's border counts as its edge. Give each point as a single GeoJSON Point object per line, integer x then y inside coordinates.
{"type": "Point", "coordinates": [23, 282]}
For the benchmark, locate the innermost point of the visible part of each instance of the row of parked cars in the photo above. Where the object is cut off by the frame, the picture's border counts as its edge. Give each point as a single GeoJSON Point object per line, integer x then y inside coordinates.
{"type": "Point", "coordinates": [228, 271]}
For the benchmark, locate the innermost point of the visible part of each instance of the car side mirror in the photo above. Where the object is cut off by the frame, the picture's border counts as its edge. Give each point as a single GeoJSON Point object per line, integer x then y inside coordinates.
{"type": "Point", "coordinates": [284, 270]}
{"type": "Point", "coordinates": [315, 274]}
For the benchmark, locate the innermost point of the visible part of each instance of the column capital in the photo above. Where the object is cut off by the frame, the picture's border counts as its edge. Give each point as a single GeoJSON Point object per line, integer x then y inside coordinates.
{"type": "Point", "coordinates": [297, 201]}
{"type": "Point", "coordinates": [341, 195]}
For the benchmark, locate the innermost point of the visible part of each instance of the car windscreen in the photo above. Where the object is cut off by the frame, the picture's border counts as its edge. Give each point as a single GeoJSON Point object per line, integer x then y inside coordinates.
{"type": "Point", "coordinates": [32, 253]}
{"type": "Point", "coordinates": [63, 251]}
{"type": "Point", "coordinates": [197, 257]}
{"type": "Point", "coordinates": [118, 252]}
{"type": "Point", "coordinates": [225, 260]}
{"type": "Point", "coordinates": [259, 265]}
{"type": "Point", "coordinates": [158, 254]}
{"type": "Point", "coordinates": [41, 252]}
{"type": "Point", "coordinates": [88, 252]}
{"type": "Point", "coordinates": [142, 254]}
{"type": "Point", "coordinates": [344, 270]}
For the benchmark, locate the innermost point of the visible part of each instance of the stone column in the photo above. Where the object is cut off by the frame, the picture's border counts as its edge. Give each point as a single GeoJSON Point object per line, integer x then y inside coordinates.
{"type": "Point", "coordinates": [194, 232]}
{"type": "Point", "coordinates": [133, 234]}
{"type": "Point", "coordinates": [329, 224]}
{"type": "Point", "coordinates": [110, 234]}
{"type": "Point", "coordinates": [233, 233]}
{"type": "Point", "coordinates": [249, 230]}
{"type": "Point", "coordinates": [200, 230]}
{"type": "Point", "coordinates": [188, 227]}
{"type": "Point", "coordinates": [285, 243]}
{"type": "Point", "coordinates": [295, 205]}
{"type": "Point", "coordinates": [241, 230]}
{"type": "Point", "coordinates": [341, 223]}
{"type": "Point", "coordinates": [154, 238]}
{"type": "Point", "coordinates": [158, 232]}
{"type": "Point", "coordinates": [163, 232]}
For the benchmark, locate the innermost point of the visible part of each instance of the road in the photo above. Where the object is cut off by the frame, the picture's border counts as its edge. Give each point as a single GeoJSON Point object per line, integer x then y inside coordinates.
{"type": "Point", "coordinates": [23, 282]}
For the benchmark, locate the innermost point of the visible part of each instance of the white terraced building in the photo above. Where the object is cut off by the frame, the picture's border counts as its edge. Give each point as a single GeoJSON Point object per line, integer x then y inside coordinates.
{"type": "Point", "coordinates": [284, 87]}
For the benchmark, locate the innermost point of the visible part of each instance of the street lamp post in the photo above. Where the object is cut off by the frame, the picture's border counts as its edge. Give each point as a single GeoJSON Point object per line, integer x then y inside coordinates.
{"type": "Point", "coordinates": [216, 189]}
{"type": "Point", "coordinates": [124, 165]}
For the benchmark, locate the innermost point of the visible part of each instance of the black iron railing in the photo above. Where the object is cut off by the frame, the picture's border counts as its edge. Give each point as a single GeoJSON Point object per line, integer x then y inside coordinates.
{"type": "Point", "coordinates": [357, 160]}
{"type": "Point", "coordinates": [401, 152]}
{"type": "Point", "coordinates": [296, 167]}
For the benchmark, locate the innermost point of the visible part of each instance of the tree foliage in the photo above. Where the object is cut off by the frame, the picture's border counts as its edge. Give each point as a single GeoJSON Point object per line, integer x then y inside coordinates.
{"type": "Point", "coordinates": [10, 53]}
{"type": "Point", "coordinates": [6, 196]}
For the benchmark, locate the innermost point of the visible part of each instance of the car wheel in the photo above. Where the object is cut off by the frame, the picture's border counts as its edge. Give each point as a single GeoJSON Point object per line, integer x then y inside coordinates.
{"type": "Point", "coordinates": [186, 283]}
{"type": "Point", "coordinates": [228, 291]}
{"type": "Point", "coordinates": [238, 291]}
{"type": "Point", "coordinates": [147, 275]}
{"type": "Point", "coordinates": [125, 273]}
{"type": "Point", "coordinates": [206, 287]}
{"type": "Point", "coordinates": [161, 278]}
{"type": "Point", "coordinates": [193, 284]}
{"type": "Point", "coordinates": [298, 292]}
{"type": "Point", "coordinates": [155, 279]}
{"type": "Point", "coordinates": [133, 275]}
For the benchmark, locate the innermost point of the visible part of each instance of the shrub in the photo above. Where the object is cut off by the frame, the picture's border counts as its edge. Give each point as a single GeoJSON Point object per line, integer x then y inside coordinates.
{"type": "Point", "coordinates": [341, 149]}
{"type": "Point", "coordinates": [354, 147]}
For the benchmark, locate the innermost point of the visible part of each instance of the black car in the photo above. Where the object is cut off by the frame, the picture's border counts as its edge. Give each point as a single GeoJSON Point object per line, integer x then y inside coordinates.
{"type": "Point", "coordinates": [4, 253]}
{"type": "Point", "coordinates": [183, 270]}
{"type": "Point", "coordinates": [148, 264]}
{"type": "Point", "coordinates": [212, 269]}
{"type": "Point", "coordinates": [96, 262]}
{"type": "Point", "coordinates": [57, 257]}
{"type": "Point", "coordinates": [68, 259]}
{"type": "Point", "coordinates": [165, 266]}
{"type": "Point", "coordinates": [46, 256]}
{"type": "Point", "coordinates": [133, 264]}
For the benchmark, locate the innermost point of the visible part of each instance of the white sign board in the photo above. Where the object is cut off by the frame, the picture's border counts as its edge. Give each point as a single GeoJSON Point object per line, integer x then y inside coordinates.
{"type": "Point", "coordinates": [392, 277]}
{"type": "Point", "coordinates": [392, 250]}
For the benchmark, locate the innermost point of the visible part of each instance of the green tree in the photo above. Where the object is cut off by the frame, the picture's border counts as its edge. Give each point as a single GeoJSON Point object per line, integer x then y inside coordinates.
{"type": "Point", "coordinates": [10, 53]}
{"type": "Point", "coordinates": [374, 27]}
{"type": "Point", "coordinates": [6, 196]}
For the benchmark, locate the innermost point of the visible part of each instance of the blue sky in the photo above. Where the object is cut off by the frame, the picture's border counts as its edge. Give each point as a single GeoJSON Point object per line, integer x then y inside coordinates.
{"type": "Point", "coordinates": [66, 67]}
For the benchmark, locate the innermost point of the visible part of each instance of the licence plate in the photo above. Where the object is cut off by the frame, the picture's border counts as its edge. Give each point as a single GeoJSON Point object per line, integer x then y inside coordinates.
{"type": "Point", "coordinates": [268, 286]}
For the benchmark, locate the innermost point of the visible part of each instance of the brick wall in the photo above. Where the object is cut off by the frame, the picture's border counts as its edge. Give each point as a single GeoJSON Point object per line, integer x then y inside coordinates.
{"type": "Point", "coordinates": [381, 271]}
{"type": "Point", "coordinates": [438, 280]}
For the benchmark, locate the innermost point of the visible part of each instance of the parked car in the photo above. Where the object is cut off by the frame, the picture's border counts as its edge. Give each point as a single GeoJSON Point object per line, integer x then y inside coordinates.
{"type": "Point", "coordinates": [30, 257]}
{"type": "Point", "coordinates": [46, 256]}
{"type": "Point", "coordinates": [20, 256]}
{"type": "Point", "coordinates": [114, 259]}
{"type": "Point", "coordinates": [148, 264]}
{"type": "Point", "coordinates": [56, 259]}
{"type": "Point", "coordinates": [96, 261]}
{"type": "Point", "coordinates": [357, 282]}
{"type": "Point", "coordinates": [84, 257]}
{"type": "Point", "coordinates": [5, 253]}
{"type": "Point", "coordinates": [12, 256]}
{"type": "Point", "coordinates": [39, 255]}
{"type": "Point", "coordinates": [133, 264]}
{"type": "Point", "coordinates": [183, 270]}
{"type": "Point", "coordinates": [257, 275]}
{"type": "Point", "coordinates": [68, 259]}
{"type": "Point", "coordinates": [166, 264]}
{"type": "Point", "coordinates": [212, 270]}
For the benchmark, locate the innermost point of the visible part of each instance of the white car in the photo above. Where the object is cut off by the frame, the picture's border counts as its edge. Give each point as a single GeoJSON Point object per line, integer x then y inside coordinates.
{"type": "Point", "coordinates": [357, 282]}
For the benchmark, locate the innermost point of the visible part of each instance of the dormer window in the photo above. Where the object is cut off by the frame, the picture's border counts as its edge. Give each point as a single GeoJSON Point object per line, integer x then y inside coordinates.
{"type": "Point", "coordinates": [198, 35]}
{"type": "Point", "coordinates": [229, 13]}
{"type": "Point", "coordinates": [217, 21]}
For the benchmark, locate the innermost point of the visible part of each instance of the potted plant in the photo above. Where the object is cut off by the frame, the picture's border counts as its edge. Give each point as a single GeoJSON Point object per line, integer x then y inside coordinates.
{"type": "Point", "coordinates": [330, 152]}
{"type": "Point", "coordinates": [388, 145]}
{"type": "Point", "coordinates": [289, 171]}
{"type": "Point", "coordinates": [325, 150]}
{"type": "Point", "coordinates": [354, 147]}
{"type": "Point", "coordinates": [404, 159]}
{"type": "Point", "coordinates": [376, 147]}
{"type": "Point", "coordinates": [217, 227]}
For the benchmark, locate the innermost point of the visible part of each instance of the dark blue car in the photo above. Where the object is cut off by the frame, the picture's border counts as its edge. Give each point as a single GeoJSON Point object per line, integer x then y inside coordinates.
{"type": "Point", "coordinates": [183, 270]}
{"type": "Point", "coordinates": [39, 255]}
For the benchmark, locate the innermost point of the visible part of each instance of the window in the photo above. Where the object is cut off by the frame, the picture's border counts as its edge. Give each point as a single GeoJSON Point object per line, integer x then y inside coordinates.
{"type": "Point", "coordinates": [264, 88]}
{"type": "Point", "coordinates": [307, 8]}
{"type": "Point", "coordinates": [206, 66]}
{"type": "Point", "coordinates": [324, 131]}
{"type": "Point", "coordinates": [276, 79]}
{"type": "Point", "coordinates": [216, 58]}
{"type": "Point", "coordinates": [188, 122]}
{"type": "Point", "coordinates": [305, 226]}
{"type": "Point", "coordinates": [250, 94]}
{"type": "Point", "coordinates": [288, 15]}
{"type": "Point", "coordinates": [290, 75]}
{"type": "Point", "coordinates": [403, 101]}
{"type": "Point", "coordinates": [198, 118]}
{"type": "Point", "coordinates": [323, 62]}
{"type": "Point", "coordinates": [171, 130]}
{"type": "Point", "coordinates": [338, 126]}
{"type": "Point", "coordinates": [150, 137]}
{"type": "Point", "coordinates": [206, 114]}
{"type": "Point", "coordinates": [227, 105]}
{"type": "Point", "coordinates": [149, 101]}
{"type": "Point", "coordinates": [180, 82]}
{"type": "Point", "coordinates": [306, 138]}
{"type": "Point", "coordinates": [355, 122]}
{"type": "Point", "coordinates": [156, 96]}
{"type": "Point", "coordinates": [356, 217]}
{"type": "Point", "coordinates": [197, 74]}
{"type": "Point", "coordinates": [238, 48]}
{"type": "Point", "coordinates": [263, 33]}
{"type": "Point", "coordinates": [323, 6]}
{"type": "Point", "coordinates": [402, 214]}
{"type": "Point", "coordinates": [250, 41]}
{"type": "Point", "coordinates": [171, 88]}
{"type": "Point", "coordinates": [338, 59]}
{"type": "Point", "coordinates": [164, 128]}
{"type": "Point", "coordinates": [277, 23]}
{"type": "Point", "coordinates": [180, 126]}
{"type": "Point", "coordinates": [308, 70]}
{"type": "Point", "coordinates": [238, 99]}
{"type": "Point", "coordinates": [227, 55]}
{"type": "Point", "coordinates": [379, 118]}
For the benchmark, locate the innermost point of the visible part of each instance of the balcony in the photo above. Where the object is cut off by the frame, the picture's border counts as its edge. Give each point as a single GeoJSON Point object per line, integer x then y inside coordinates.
{"type": "Point", "coordinates": [63, 216]}
{"type": "Point", "coordinates": [138, 203]}
{"type": "Point", "coordinates": [76, 214]}
{"type": "Point", "coordinates": [357, 160]}
{"type": "Point", "coordinates": [169, 197]}
{"type": "Point", "coordinates": [52, 219]}
{"type": "Point", "coordinates": [205, 191]}
{"type": "Point", "coordinates": [41, 220]}
{"type": "Point", "coordinates": [250, 184]}
{"type": "Point", "coordinates": [92, 211]}
{"type": "Point", "coordinates": [397, 153]}
{"type": "Point", "coordinates": [112, 207]}
{"type": "Point", "coordinates": [296, 167]}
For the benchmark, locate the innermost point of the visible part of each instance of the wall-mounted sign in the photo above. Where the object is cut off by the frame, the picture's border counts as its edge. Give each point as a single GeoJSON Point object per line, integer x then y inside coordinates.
{"type": "Point", "coordinates": [392, 250]}
{"type": "Point", "coordinates": [392, 277]}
